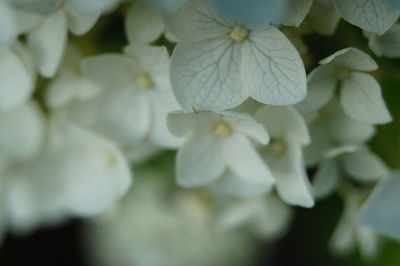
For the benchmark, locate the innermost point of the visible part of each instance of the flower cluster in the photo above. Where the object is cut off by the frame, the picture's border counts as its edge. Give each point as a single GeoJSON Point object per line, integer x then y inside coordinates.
{"type": "Point", "coordinates": [222, 83]}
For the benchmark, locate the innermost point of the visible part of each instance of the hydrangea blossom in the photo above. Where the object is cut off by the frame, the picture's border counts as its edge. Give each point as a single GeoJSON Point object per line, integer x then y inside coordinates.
{"type": "Point", "coordinates": [216, 142]}
{"type": "Point", "coordinates": [218, 63]}
{"type": "Point", "coordinates": [360, 94]}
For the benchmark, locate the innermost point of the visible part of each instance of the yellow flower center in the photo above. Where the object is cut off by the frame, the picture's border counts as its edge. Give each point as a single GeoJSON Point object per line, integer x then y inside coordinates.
{"type": "Point", "coordinates": [222, 129]}
{"type": "Point", "coordinates": [111, 159]}
{"type": "Point", "coordinates": [239, 34]}
{"type": "Point", "coordinates": [144, 81]}
{"type": "Point", "coordinates": [342, 73]}
{"type": "Point", "coordinates": [277, 146]}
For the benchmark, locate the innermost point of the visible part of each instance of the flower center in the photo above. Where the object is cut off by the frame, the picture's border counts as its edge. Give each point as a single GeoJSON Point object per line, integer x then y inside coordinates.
{"type": "Point", "coordinates": [144, 81]}
{"type": "Point", "coordinates": [111, 159]}
{"type": "Point", "coordinates": [222, 129]}
{"type": "Point", "coordinates": [239, 34]}
{"type": "Point", "coordinates": [342, 73]}
{"type": "Point", "coordinates": [277, 146]}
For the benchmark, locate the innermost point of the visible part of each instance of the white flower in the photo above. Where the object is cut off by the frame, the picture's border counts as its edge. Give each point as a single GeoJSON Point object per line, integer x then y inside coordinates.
{"type": "Point", "coordinates": [130, 234]}
{"type": "Point", "coordinates": [360, 93]}
{"type": "Point", "coordinates": [266, 216]}
{"type": "Point", "coordinates": [381, 211]}
{"type": "Point", "coordinates": [350, 233]}
{"type": "Point", "coordinates": [217, 64]}
{"type": "Point", "coordinates": [374, 16]}
{"type": "Point", "coordinates": [289, 134]}
{"type": "Point", "coordinates": [137, 95]}
{"type": "Point", "coordinates": [47, 35]}
{"type": "Point", "coordinates": [387, 44]}
{"type": "Point", "coordinates": [358, 164]}
{"type": "Point", "coordinates": [215, 143]}
{"type": "Point", "coordinates": [331, 127]}
{"type": "Point", "coordinates": [17, 80]}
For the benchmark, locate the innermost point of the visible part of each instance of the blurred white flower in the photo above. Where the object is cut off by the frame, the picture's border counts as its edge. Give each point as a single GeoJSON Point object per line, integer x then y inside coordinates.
{"type": "Point", "coordinates": [387, 44]}
{"type": "Point", "coordinates": [289, 134]}
{"type": "Point", "coordinates": [137, 95]}
{"type": "Point", "coordinates": [349, 233]}
{"type": "Point", "coordinates": [360, 93]}
{"type": "Point", "coordinates": [216, 142]}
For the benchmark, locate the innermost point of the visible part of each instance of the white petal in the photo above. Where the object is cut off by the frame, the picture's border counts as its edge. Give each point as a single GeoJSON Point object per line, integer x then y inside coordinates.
{"type": "Point", "coordinates": [320, 143]}
{"type": "Point", "coordinates": [198, 162]}
{"type": "Point", "coordinates": [323, 17]}
{"type": "Point", "coordinates": [362, 100]}
{"type": "Point", "coordinates": [244, 161]}
{"type": "Point", "coordinates": [109, 70]}
{"type": "Point", "coordinates": [93, 170]}
{"type": "Point", "coordinates": [292, 182]}
{"type": "Point", "coordinates": [195, 22]}
{"type": "Point", "coordinates": [232, 185]}
{"type": "Point", "coordinates": [364, 166]}
{"type": "Point", "coordinates": [181, 123]}
{"type": "Point", "coordinates": [8, 27]}
{"type": "Point", "coordinates": [48, 43]}
{"type": "Point", "coordinates": [370, 15]}
{"type": "Point", "coordinates": [123, 115]}
{"type": "Point", "coordinates": [247, 125]}
{"type": "Point", "coordinates": [381, 211]}
{"type": "Point", "coordinates": [321, 88]}
{"type": "Point", "coordinates": [284, 122]}
{"type": "Point", "coordinates": [93, 7]}
{"type": "Point", "coordinates": [271, 68]}
{"type": "Point", "coordinates": [161, 104]}
{"type": "Point", "coordinates": [345, 129]}
{"type": "Point", "coordinates": [43, 7]}
{"type": "Point", "coordinates": [325, 179]}
{"type": "Point", "coordinates": [352, 58]}
{"type": "Point", "coordinates": [206, 75]}
{"type": "Point", "coordinates": [16, 82]}
{"type": "Point", "coordinates": [298, 10]}
{"type": "Point", "coordinates": [143, 23]}
{"type": "Point", "coordinates": [78, 22]}
{"type": "Point", "coordinates": [388, 44]}
{"type": "Point", "coordinates": [22, 132]}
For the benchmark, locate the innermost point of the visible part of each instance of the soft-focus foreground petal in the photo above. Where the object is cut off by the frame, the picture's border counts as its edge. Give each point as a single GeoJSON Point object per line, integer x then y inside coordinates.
{"type": "Point", "coordinates": [370, 15]}
{"type": "Point", "coordinates": [42, 7]}
{"type": "Point", "coordinates": [198, 162]}
{"type": "Point", "coordinates": [381, 212]}
{"type": "Point", "coordinates": [143, 23]}
{"type": "Point", "coordinates": [8, 27]}
{"type": "Point", "coordinates": [79, 22]}
{"type": "Point", "coordinates": [48, 43]}
{"type": "Point", "coordinates": [361, 98]}
{"type": "Point", "coordinates": [91, 170]}
{"type": "Point", "coordinates": [271, 68]}
{"type": "Point", "coordinates": [16, 83]}
{"type": "Point", "coordinates": [22, 132]}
